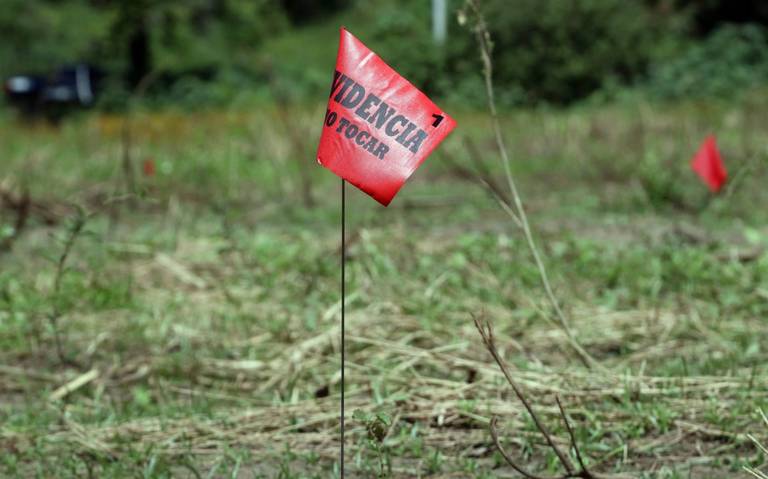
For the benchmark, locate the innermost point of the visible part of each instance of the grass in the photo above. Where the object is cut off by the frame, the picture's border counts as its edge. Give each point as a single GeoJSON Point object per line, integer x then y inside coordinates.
{"type": "Point", "coordinates": [209, 308]}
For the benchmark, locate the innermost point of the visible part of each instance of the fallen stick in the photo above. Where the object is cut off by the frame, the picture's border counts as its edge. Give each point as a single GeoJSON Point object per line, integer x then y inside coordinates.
{"type": "Point", "coordinates": [74, 385]}
{"type": "Point", "coordinates": [180, 271]}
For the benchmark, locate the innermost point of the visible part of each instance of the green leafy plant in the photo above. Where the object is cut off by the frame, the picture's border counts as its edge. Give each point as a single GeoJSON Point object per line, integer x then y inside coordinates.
{"type": "Point", "coordinates": [377, 426]}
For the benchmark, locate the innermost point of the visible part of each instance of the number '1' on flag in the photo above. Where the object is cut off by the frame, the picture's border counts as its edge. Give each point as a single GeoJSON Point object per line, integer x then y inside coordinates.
{"type": "Point", "coordinates": [378, 127]}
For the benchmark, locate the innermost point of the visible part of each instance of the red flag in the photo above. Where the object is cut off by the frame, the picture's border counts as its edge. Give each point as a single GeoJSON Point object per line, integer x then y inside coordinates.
{"type": "Point", "coordinates": [378, 127]}
{"type": "Point", "coordinates": [708, 164]}
{"type": "Point", "coordinates": [149, 167]}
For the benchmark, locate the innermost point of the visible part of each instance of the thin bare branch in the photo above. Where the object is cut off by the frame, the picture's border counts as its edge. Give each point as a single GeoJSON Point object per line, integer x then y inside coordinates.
{"type": "Point", "coordinates": [495, 435]}
{"type": "Point", "coordinates": [74, 231]}
{"type": "Point", "coordinates": [486, 332]}
{"type": "Point", "coordinates": [21, 207]}
{"type": "Point", "coordinates": [507, 209]}
{"type": "Point", "coordinates": [520, 217]}
{"type": "Point", "coordinates": [484, 173]}
{"type": "Point", "coordinates": [574, 444]}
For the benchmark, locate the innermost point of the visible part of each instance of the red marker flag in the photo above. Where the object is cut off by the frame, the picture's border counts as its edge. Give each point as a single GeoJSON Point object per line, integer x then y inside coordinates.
{"type": "Point", "coordinates": [378, 127]}
{"type": "Point", "coordinates": [149, 167]}
{"type": "Point", "coordinates": [708, 164]}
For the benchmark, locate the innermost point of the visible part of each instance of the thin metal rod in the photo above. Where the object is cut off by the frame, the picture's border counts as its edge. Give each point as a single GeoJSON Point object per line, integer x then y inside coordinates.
{"type": "Point", "coordinates": [343, 296]}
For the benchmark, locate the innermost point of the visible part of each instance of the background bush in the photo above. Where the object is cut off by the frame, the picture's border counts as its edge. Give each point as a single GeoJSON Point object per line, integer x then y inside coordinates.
{"type": "Point", "coordinates": [215, 52]}
{"type": "Point", "coordinates": [559, 51]}
{"type": "Point", "coordinates": [729, 60]}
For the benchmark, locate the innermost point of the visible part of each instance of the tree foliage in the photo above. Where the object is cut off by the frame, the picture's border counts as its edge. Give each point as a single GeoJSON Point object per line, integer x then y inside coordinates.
{"type": "Point", "coordinates": [37, 34]}
{"type": "Point", "coordinates": [545, 51]}
{"type": "Point", "coordinates": [134, 38]}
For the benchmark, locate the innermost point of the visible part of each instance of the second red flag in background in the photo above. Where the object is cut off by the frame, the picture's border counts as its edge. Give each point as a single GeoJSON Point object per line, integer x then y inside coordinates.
{"type": "Point", "coordinates": [378, 127]}
{"type": "Point", "coordinates": [708, 164]}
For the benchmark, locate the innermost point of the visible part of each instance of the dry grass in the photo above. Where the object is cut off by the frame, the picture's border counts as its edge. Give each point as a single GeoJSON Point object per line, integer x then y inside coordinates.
{"type": "Point", "coordinates": [448, 389]}
{"type": "Point", "coordinates": [209, 311]}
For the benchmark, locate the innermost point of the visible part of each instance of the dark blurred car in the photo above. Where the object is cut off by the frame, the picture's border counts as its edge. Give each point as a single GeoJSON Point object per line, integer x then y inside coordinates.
{"type": "Point", "coordinates": [68, 89]}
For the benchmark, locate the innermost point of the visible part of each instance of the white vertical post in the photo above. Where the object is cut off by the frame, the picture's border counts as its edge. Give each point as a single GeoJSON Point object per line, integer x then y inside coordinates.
{"type": "Point", "coordinates": [439, 20]}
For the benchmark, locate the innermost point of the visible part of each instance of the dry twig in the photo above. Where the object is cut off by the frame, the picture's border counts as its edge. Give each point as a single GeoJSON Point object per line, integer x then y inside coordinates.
{"type": "Point", "coordinates": [516, 210]}
{"type": "Point", "coordinates": [486, 332]}
{"type": "Point", "coordinates": [74, 230]}
{"type": "Point", "coordinates": [21, 207]}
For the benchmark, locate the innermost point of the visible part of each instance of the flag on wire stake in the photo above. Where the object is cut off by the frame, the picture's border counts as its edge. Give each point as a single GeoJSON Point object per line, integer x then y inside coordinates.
{"type": "Point", "coordinates": [378, 129]}
{"type": "Point", "coordinates": [708, 164]}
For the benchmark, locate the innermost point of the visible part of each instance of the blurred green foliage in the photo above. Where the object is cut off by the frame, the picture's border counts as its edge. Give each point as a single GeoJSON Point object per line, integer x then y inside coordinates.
{"type": "Point", "coordinates": [141, 44]}
{"type": "Point", "coordinates": [557, 51]}
{"type": "Point", "coordinates": [731, 59]}
{"type": "Point", "coordinates": [194, 53]}
{"type": "Point", "coordinates": [37, 34]}
{"type": "Point", "coordinates": [545, 51]}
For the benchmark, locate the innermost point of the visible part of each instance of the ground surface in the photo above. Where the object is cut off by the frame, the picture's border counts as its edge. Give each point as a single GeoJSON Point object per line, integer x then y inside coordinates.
{"type": "Point", "coordinates": [198, 322]}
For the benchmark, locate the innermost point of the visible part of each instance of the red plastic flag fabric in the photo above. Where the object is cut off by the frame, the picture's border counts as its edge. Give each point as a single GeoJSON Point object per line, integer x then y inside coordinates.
{"type": "Point", "coordinates": [708, 164]}
{"type": "Point", "coordinates": [149, 167]}
{"type": "Point", "coordinates": [378, 127]}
